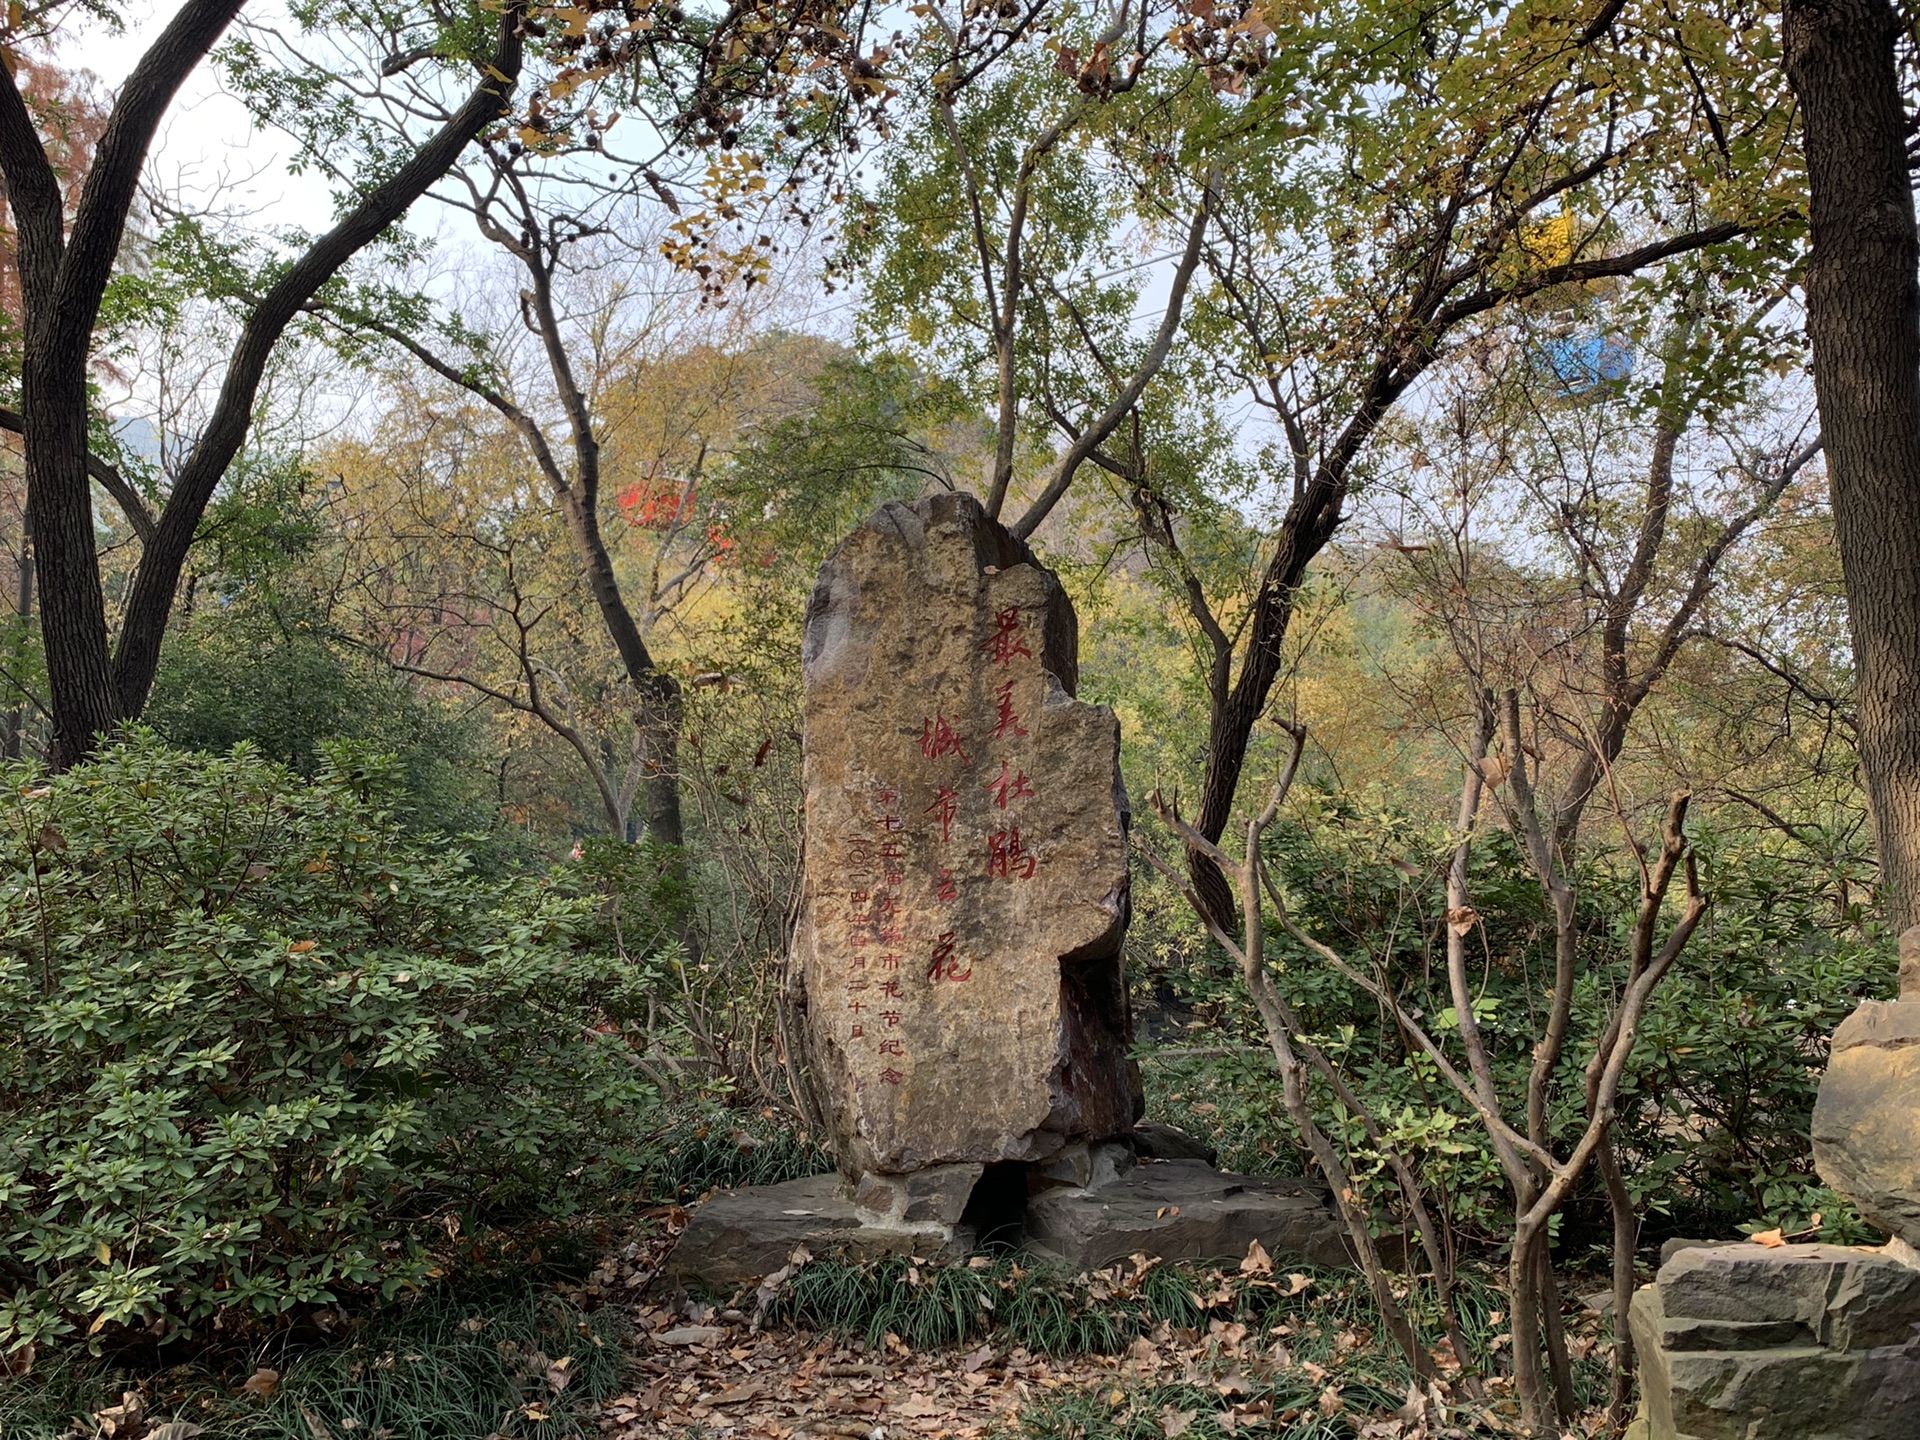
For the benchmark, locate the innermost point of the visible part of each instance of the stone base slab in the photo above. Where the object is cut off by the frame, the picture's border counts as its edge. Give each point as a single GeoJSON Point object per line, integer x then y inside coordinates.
{"type": "Point", "coordinates": [739, 1236]}
{"type": "Point", "coordinates": [1187, 1210]}
{"type": "Point", "coordinates": [1173, 1209]}
{"type": "Point", "coordinates": [1797, 1342]}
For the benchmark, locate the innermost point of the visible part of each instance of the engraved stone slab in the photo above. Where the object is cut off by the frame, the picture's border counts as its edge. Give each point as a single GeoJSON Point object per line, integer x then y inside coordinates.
{"type": "Point", "coordinates": [966, 854]}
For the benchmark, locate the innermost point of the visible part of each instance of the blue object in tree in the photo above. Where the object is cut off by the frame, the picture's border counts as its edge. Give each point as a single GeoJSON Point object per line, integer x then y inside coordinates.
{"type": "Point", "coordinates": [1580, 362]}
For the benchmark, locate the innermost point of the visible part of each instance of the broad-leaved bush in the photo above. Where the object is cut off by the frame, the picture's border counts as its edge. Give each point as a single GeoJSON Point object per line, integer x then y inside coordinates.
{"type": "Point", "coordinates": [260, 1047]}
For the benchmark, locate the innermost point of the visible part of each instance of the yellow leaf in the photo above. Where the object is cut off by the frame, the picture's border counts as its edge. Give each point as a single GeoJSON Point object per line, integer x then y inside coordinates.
{"type": "Point", "coordinates": [1258, 1262]}
{"type": "Point", "coordinates": [1548, 242]}
{"type": "Point", "coordinates": [104, 1253]}
{"type": "Point", "coordinates": [1772, 1239]}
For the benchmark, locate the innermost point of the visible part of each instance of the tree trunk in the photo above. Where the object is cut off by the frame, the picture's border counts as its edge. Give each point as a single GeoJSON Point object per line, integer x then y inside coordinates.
{"type": "Point", "coordinates": [659, 692]}
{"type": "Point", "coordinates": [661, 756]}
{"type": "Point", "coordinates": [16, 723]}
{"type": "Point", "coordinates": [1863, 319]}
{"type": "Point", "coordinates": [73, 623]}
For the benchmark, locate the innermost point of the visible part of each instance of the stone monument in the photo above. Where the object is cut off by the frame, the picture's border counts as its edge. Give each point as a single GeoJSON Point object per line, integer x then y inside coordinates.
{"type": "Point", "coordinates": [966, 865]}
{"type": "Point", "coordinates": [1809, 1342]}
{"type": "Point", "coordinates": [959, 937]}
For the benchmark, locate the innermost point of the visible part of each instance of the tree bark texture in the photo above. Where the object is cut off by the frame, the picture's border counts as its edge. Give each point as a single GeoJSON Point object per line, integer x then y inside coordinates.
{"type": "Point", "coordinates": [1863, 319]}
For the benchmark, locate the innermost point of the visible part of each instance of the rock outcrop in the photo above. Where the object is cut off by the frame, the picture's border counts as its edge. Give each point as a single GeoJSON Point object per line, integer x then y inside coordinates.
{"type": "Point", "coordinates": [1866, 1122]}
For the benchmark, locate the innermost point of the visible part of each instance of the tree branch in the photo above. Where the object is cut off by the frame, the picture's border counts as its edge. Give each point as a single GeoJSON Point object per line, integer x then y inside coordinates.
{"type": "Point", "coordinates": [109, 477]}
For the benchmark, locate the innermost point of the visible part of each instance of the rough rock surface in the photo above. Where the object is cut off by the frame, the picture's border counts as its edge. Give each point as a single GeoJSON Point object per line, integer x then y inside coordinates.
{"type": "Point", "coordinates": [1866, 1122]}
{"type": "Point", "coordinates": [1802, 1342]}
{"type": "Point", "coordinates": [1154, 1140]}
{"type": "Point", "coordinates": [742, 1235]}
{"type": "Point", "coordinates": [1185, 1210]}
{"type": "Point", "coordinates": [966, 862]}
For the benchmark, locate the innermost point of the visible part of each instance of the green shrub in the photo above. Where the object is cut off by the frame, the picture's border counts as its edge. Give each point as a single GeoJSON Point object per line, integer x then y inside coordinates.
{"type": "Point", "coordinates": [1716, 1106]}
{"type": "Point", "coordinates": [260, 1048]}
{"type": "Point", "coordinates": [266, 671]}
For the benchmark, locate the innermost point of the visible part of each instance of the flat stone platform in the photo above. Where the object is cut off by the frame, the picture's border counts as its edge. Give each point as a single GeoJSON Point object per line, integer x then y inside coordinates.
{"type": "Point", "coordinates": [1187, 1210]}
{"type": "Point", "coordinates": [1174, 1209]}
{"type": "Point", "coordinates": [738, 1236]}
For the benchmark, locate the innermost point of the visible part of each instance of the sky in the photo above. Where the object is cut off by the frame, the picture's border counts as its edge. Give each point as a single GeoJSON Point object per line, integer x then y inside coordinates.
{"type": "Point", "coordinates": [207, 140]}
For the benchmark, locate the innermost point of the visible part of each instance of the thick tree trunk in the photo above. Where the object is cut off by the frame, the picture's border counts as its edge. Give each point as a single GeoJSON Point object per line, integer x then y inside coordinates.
{"type": "Point", "coordinates": [24, 591]}
{"type": "Point", "coordinates": [1863, 318]}
{"type": "Point", "coordinates": [150, 598]}
{"type": "Point", "coordinates": [73, 609]}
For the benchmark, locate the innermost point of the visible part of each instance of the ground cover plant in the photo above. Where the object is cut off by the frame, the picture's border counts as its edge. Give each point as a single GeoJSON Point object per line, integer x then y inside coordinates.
{"type": "Point", "coordinates": [261, 1051]}
{"type": "Point", "coordinates": [508, 1358]}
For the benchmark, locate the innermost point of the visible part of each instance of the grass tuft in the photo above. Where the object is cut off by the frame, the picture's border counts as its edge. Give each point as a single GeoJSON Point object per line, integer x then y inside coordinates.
{"type": "Point", "coordinates": [694, 1158]}
{"type": "Point", "coordinates": [454, 1365]}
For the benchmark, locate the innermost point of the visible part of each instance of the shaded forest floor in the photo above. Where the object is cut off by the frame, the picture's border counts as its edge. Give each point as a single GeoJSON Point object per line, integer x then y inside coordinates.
{"type": "Point", "coordinates": [705, 1371]}
{"type": "Point", "coordinates": [896, 1351]}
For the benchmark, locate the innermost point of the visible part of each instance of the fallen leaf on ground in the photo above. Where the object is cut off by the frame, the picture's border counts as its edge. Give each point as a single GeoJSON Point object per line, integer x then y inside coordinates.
{"type": "Point", "coordinates": [263, 1382]}
{"type": "Point", "coordinates": [739, 1394]}
{"type": "Point", "coordinates": [125, 1416]}
{"type": "Point", "coordinates": [1174, 1423]}
{"type": "Point", "coordinates": [691, 1335]}
{"type": "Point", "coordinates": [1258, 1262]}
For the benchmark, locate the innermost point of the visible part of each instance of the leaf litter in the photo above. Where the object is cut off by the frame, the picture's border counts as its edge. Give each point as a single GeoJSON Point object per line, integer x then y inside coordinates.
{"type": "Point", "coordinates": [735, 1380]}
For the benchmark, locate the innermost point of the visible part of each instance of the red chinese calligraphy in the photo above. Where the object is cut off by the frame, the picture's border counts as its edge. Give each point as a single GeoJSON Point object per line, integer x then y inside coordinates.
{"type": "Point", "coordinates": [892, 1017]}
{"type": "Point", "coordinates": [947, 888]}
{"type": "Point", "coordinates": [1007, 858]}
{"type": "Point", "coordinates": [891, 989]}
{"type": "Point", "coordinates": [891, 1076]}
{"type": "Point", "coordinates": [1006, 640]}
{"type": "Point", "coordinates": [889, 962]}
{"type": "Point", "coordinates": [946, 805]}
{"type": "Point", "coordinates": [892, 1047]}
{"type": "Point", "coordinates": [938, 739]}
{"type": "Point", "coordinates": [889, 795]}
{"type": "Point", "coordinates": [1009, 786]}
{"type": "Point", "coordinates": [859, 1031]}
{"type": "Point", "coordinates": [1008, 723]}
{"type": "Point", "coordinates": [945, 964]}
